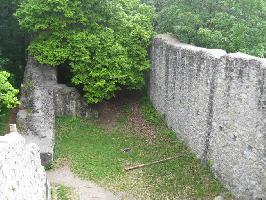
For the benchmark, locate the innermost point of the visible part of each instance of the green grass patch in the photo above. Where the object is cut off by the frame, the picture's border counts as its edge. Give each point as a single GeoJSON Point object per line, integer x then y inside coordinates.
{"type": "Point", "coordinates": [97, 154]}
{"type": "Point", "coordinates": [3, 122]}
{"type": "Point", "coordinates": [62, 192]}
{"type": "Point", "coordinates": [150, 114]}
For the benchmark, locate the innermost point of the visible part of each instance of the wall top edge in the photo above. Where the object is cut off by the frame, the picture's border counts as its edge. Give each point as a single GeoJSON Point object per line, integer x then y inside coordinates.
{"type": "Point", "coordinates": [216, 53]}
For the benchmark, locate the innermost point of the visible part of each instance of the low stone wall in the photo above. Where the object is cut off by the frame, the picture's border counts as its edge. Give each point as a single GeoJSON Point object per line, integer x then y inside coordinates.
{"type": "Point", "coordinates": [42, 98]}
{"type": "Point", "coordinates": [22, 177]}
{"type": "Point", "coordinates": [68, 102]}
{"type": "Point", "coordinates": [215, 102]}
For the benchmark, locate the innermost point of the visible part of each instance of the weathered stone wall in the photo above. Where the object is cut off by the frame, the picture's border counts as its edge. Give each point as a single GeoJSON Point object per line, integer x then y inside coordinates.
{"type": "Point", "coordinates": [215, 103]}
{"type": "Point", "coordinates": [36, 116]}
{"type": "Point", "coordinates": [42, 98]}
{"type": "Point", "coordinates": [237, 144]}
{"type": "Point", "coordinates": [22, 177]}
{"type": "Point", "coordinates": [68, 101]}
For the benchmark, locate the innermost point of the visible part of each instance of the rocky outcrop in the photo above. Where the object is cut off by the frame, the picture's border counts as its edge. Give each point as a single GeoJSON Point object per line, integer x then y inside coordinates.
{"type": "Point", "coordinates": [22, 177]}
{"type": "Point", "coordinates": [42, 98]}
{"type": "Point", "coordinates": [215, 102]}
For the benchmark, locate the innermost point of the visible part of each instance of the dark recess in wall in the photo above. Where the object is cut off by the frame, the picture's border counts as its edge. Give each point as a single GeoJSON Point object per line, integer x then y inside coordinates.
{"type": "Point", "coordinates": [64, 76]}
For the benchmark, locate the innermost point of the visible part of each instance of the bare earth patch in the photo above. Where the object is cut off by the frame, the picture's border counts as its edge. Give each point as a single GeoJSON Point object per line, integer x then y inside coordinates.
{"type": "Point", "coordinates": [111, 111]}
{"type": "Point", "coordinates": [140, 124]}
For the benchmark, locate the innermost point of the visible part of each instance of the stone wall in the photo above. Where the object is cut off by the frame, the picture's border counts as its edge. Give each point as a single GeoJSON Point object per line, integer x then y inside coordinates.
{"type": "Point", "coordinates": [215, 102]}
{"type": "Point", "coordinates": [22, 177]}
{"type": "Point", "coordinates": [68, 102]}
{"type": "Point", "coordinates": [42, 98]}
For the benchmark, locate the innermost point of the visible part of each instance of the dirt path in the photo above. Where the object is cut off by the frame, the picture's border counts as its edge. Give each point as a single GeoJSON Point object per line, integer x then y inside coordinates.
{"type": "Point", "coordinates": [85, 190]}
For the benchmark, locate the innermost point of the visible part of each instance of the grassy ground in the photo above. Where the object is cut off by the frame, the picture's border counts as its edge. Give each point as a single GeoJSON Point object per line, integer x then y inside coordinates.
{"type": "Point", "coordinates": [97, 153]}
{"type": "Point", "coordinates": [4, 122]}
{"type": "Point", "coordinates": [61, 192]}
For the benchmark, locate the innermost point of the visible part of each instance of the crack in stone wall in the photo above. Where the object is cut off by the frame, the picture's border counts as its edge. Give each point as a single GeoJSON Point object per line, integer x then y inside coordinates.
{"type": "Point", "coordinates": [42, 98]}
{"type": "Point", "coordinates": [215, 102]}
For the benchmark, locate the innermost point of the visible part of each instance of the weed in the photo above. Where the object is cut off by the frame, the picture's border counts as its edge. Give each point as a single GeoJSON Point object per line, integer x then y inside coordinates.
{"type": "Point", "coordinates": [61, 192]}
{"type": "Point", "coordinates": [3, 122]}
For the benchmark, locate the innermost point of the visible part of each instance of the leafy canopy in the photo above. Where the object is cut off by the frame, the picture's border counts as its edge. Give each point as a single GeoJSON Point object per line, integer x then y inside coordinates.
{"type": "Point", "coordinates": [105, 41]}
{"type": "Point", "coordinates": [226, 24]}
{"type": "Point", "coordinates": [8, 94]}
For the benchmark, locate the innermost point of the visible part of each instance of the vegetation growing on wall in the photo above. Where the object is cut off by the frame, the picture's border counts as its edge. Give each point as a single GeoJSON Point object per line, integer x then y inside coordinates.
{"type": "Point", "coordinates": [105, 42]}
{"type": "Point", "coordinates": [227, 24]}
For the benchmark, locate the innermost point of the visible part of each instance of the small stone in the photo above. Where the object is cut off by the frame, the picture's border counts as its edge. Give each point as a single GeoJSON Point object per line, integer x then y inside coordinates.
{"type": "Point", "coordinates": [13, 128]}
{"type": "Point", "coordinates": [126, 150]}
{"type": "Point", "coordinates": [219, 198]}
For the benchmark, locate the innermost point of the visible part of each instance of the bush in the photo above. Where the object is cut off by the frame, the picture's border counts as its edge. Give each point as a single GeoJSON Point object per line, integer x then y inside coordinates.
{"type": "Point", "coordinates": [226, 24]}
{"type": "Point", "coordinates": [105, 42]}
{"type": "Point", "coordinates": [8, 94]}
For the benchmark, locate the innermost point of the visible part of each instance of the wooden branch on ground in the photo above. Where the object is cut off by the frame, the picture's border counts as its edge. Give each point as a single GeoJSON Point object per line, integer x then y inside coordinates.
{"type": "Point", "coordinates": [151, 163]}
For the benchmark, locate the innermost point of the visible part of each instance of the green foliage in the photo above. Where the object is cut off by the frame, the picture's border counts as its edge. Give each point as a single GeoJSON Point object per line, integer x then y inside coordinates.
{"type": "Point", "coordinates": [12, 42]}
{"type": "Point", "coordinates": [4, 118]}
{"type": "Point", "coordinates": [8, 94]}
{"type": "Point", "coordinates": [62, 192]}
{"type": "Point", "coordinates": [226, 24]}
{"type": "Point", "coordinates": [149, 113]}
{"type": "Point", "coordinates": [3, 61]}
{"type": "Point", "coordinates": [158, 4]}
{"type": "Point", "coordinates": [105, 42]}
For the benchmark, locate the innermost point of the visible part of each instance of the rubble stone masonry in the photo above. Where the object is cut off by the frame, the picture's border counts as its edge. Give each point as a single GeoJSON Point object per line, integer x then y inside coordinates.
{"type": "Point", "coordinates": [216, 104]}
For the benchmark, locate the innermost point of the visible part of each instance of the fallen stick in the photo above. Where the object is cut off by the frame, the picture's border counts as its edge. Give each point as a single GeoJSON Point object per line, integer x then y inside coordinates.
{"type": "Point", "coordinates": [152, 163]}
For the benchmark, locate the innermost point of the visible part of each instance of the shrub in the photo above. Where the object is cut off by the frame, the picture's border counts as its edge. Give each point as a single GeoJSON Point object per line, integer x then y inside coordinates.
{"type": "Point", "coordinates": [105, 41]}
{"type": "Point", "coordinates": [8, 94]}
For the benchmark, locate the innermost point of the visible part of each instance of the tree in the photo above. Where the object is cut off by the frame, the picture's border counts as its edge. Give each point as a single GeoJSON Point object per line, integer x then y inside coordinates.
{"type": "Point", "coordinates": [226, 24]}
{"type": "Point", "coordinates": [105, 41]}
{"type": "Point", "coordinates": [8, 94]}
{"type": "Point", "coordinates": [12, 41]}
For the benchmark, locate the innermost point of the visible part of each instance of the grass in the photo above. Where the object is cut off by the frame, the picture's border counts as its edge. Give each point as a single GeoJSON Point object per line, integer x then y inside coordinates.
{"type": "Point", "coordinates": [97, 154]}
{"type": "Point", "coordinates": [3, 122]}
{"type": "Point", "coordinates": [61, 192]}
